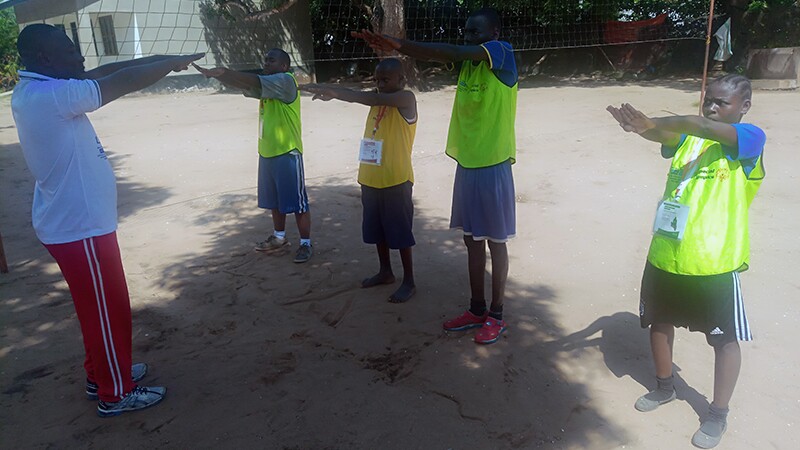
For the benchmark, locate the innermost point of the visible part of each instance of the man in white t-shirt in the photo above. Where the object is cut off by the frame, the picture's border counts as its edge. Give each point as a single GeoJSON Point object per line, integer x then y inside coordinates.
{"type": "Point", "coordinates": [75, 198]}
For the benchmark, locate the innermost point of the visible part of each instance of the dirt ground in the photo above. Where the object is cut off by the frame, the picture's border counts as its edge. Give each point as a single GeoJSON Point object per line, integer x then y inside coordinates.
{"type": "Point", "coordinates": [258, 352]}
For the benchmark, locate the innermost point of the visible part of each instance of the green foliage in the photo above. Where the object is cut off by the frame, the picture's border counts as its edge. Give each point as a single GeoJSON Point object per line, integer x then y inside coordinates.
{"type": "Point", "coordinates": [773, 23]}
{"type": "Point", "coordinates": [9, 59]}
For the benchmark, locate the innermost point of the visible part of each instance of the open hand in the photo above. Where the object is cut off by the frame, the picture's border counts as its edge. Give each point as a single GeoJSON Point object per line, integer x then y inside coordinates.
{"type": "Point", "coordinates": [380, 43]}
{"type": "Point", "coordinates": [322, 96]}
{"type": "Point", "coordinates": [320, 92]}
{"type": "Point", "coordinates": [182, 61]}
{"type": "Point", "coordinates": [631, 119]}
{"type": "Point", "coordinates": [210, 73]}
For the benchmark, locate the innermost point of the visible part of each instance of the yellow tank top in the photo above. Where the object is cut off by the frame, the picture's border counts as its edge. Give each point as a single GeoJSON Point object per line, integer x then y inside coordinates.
{"type": "Point", "coordinates": [716, 239]}
{"type": "Point", "coordinates": [398, 138]}
{"type": "Point", "coordinates": [279, 126]}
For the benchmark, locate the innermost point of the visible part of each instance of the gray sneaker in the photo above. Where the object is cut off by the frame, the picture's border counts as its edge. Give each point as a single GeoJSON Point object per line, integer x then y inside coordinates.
{"type": "Point", "coordinates": [654, 399]}
{"type": "Point", "coordinates": [139, 398]}
{"type": "Point", "coordinates": [272, 244]}
{"type": "Point", "coordinates": [138, 371]}
{"type": "Point", "coordinates": [710, 434]}
{"type": "Point", "coordinates": [303, 254]}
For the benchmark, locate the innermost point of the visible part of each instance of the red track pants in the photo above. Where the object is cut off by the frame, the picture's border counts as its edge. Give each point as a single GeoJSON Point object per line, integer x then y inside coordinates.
{"type": "Point", "coordinates": [93, 270]}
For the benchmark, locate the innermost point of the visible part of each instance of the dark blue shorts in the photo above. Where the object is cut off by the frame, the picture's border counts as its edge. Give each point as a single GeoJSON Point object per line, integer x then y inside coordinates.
{"type": "Point", "coordinates": [281, 183]}
{"type": "Point", "coordinates": [388, 215]}
{"type": "Point", "coordinates": [484, 202]}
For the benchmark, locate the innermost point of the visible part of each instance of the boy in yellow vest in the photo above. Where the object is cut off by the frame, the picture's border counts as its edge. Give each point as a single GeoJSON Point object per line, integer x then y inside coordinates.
{"type": "Point", "coordinates": [700, 239]}
{"type": "Point", "coordinates": [482, 141]}
{"type": "Point", "coordinates": [385, 172]}
{"type": "Point", "coordinates": [281, 178]}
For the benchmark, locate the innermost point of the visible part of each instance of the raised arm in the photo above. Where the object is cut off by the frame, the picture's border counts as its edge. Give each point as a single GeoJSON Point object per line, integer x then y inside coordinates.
{"type": "Point", "coordinates": [384, 44]}
{"type": "Point", "coordinates": [399, 99]}
{"type": "Point", "coordinates": [131, 79]}
{"type": "Point", "coordinates": [404, 101]}
{"type": "Point", "coordinates": [107, 69]}
{"type": "Point", "coordinates": [634, 121]}
{"type": "Point", "coordinates": [238, 80]}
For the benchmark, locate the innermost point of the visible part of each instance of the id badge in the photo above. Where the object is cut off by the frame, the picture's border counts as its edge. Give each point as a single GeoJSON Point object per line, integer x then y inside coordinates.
{"type": "Point", "coordinates": [671, 218]}
{"type": "Point", "coordinates": [370, 152]}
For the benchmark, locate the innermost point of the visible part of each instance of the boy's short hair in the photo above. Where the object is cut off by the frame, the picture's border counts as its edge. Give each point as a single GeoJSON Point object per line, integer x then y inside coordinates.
{"type": "Point", "coordinates": [285, 58]}
{"type": "Point", "coordinates": [391, 64]}
{"type": "Point", "coordinates": [491, 15]}
{"type": "Point", "coordinates": [739, 83]}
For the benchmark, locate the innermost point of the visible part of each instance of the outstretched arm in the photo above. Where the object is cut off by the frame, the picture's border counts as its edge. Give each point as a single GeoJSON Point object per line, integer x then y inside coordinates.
{"type": "Point", "coordinates": [404, 101]}
{"type": "Point", "coordinates": [384, 44]}
{"type": "Point", "coordinates": [722, 132]}
{"type": "Point", "coordinates": [107, 69]}
{"type": "Point", "coordinates": [634, 121]}
{"type": "Point", "coordinates": [238, 80]}
{"type": "Point", "coordinates": [399, 99]}
{"type": "Point", "coordinates": [125, 81]}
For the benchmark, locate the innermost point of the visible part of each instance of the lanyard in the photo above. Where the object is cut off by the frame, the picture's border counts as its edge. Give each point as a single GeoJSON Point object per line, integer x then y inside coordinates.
{"type": "Point", "coordinates": [378, 118]}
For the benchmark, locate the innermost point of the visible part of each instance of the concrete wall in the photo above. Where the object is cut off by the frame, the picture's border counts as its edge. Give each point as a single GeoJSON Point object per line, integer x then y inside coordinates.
{"type": "Point", "coordinates": [774, 68]}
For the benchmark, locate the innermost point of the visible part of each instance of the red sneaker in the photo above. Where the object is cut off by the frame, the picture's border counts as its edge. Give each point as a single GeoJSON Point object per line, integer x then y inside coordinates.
{"type": "Point", "coordinates": [490, 331]}
{"type": "Point", "coordinates": [464, 322]}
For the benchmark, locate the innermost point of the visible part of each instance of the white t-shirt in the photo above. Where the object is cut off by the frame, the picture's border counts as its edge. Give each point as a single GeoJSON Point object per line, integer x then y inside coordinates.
{"type": "Point", "coordinates": [75, 196]}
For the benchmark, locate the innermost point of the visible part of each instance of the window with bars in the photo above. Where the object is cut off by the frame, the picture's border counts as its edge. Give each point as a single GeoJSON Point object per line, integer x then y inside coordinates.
{"type": "Point", "coordinates": [75, 39]}
{"type": "Point", "coordinates": [108, 35]}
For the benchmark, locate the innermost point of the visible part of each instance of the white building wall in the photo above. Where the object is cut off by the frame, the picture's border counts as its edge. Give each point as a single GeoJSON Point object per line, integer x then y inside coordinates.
{"type": "Point", "coordinates": [154, 27]}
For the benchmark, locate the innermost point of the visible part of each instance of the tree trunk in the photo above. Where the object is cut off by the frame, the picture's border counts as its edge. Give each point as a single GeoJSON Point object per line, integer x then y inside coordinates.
{"type": "Point", "coordinates": [739, 34]}
{"type": "Point", "coordinates": [389, 18]}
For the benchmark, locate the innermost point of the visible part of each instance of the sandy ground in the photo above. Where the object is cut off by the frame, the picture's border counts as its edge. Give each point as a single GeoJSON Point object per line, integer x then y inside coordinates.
{"type": "Point", "coordinates": [258, 352]}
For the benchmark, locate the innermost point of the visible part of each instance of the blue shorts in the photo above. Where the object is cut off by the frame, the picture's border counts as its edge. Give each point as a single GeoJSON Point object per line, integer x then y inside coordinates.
{"type": "Point", "coordinates": [281, 183]}
{"type": "Point", "coordinates": [388, 215]}
{"type": "Point", "coordinates": [484, 203]}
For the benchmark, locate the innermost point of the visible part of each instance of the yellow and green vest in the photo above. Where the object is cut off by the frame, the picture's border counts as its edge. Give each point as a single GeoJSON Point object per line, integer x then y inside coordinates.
{"type": "Point", "coordinates": [716, 239]}
{"type": "Point", "coordinates": [279, 126]}
{"type": "Point", "coordinates": [398, 138]}
{"type": "Point", "coordinates": [482, 124]}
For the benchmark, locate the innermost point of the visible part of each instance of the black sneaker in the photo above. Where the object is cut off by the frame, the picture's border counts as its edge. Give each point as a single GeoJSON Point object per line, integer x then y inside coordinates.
{"type": "Point", "coordinates": [303, 254]}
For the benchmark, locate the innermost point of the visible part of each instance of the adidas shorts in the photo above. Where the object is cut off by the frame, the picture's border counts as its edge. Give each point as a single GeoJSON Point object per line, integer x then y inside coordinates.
{"type": "Point", "coordinates": [711, 304]}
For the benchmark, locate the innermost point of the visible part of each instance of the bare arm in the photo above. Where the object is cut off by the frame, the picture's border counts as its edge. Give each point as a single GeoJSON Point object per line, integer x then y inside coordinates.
{"type": "Point", "coordinates": [399, 99]}
{"type": "Point", "coordinates": [632, 120]}
{"type": "Point", "coordinates": [383, 44]}
{"type": "Point", "coordinates": [404, 101]}
{"type": "Point", "coordinates": [131, 79]}
{"type": "Point", "coordinates": [722, 132]}
{"type": "Point", "coordinates": [107, 69]}
{"type": "Point", "coordinates": [238, 80]}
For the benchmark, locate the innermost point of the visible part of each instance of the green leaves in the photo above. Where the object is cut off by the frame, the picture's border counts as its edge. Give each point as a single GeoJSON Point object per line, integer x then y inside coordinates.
{"type": "Point", "coordinates": [9, 59]}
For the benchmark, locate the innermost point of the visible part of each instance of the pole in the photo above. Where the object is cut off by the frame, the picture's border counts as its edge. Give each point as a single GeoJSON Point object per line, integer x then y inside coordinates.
{"type": "Point", "coordinates": [705, 61]}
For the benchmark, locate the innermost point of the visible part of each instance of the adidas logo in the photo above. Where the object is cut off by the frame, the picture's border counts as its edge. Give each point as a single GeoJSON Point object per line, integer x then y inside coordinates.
{"type": "Point", "coordinates": [716, 331]}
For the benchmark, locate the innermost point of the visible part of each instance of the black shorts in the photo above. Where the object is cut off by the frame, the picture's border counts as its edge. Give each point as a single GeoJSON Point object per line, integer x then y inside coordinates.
{"type": "Point", "coordinates": [711, 304]}
{"type": "Point", "coordinates": [388, 215]}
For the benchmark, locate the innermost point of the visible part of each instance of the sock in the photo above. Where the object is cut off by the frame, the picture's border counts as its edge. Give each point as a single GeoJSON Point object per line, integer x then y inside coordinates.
{"type": "Point", "coordinates": [306, 242]}
{"type": "Point", "coordinates": [496, 312]}
{"type": "Point", "coordinates": [279, 234]}
{"type": "Point", "coordinates": [717, 414]}
{"type": "Point", "coordinates": [477, 307]}
{"type": "Point", "coordinates": [666, 384]}
{"type": "Point", "coordinates": [716, 421]}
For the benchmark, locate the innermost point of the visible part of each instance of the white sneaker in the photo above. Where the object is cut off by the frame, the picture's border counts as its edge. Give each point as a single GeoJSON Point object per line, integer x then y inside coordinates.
{"type": "Point", "coordinates": [138, 371]}
{"type": "Point", "coordinates": [139, 398]}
